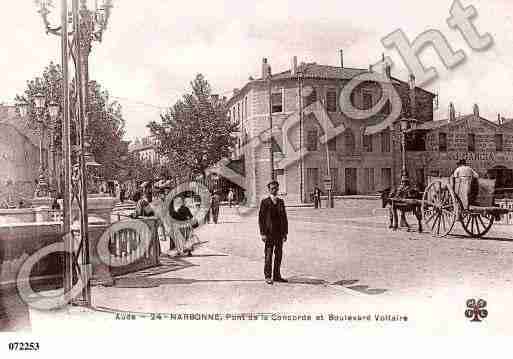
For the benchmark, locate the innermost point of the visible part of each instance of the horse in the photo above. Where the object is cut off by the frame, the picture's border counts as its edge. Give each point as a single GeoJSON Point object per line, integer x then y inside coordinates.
{"type": "Point", "coordinates": [414, 208]}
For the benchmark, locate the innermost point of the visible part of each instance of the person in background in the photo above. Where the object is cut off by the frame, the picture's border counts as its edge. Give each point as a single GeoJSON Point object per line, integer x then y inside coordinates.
{"type": "Point", "coordinates": [55, 205]}
{"type": "Point", "coordinates": [122, 194]}
{"type": "Point", "coordinates": [273, 225]}
{"type": "Point", "coordinates": [317, 197]}
{"type": "Point", "coordinates": [182, 226]}
{"type": "Point", "coordinates": [161, 211]}
{"type": "Point", "coordinates": [214, 206]}
{"type": "Point", "coordinates": [465, 183]}
{"type": "Point", "coordinates": [231, 197]}
{"type": "Point", "coordinates": [143, 208]}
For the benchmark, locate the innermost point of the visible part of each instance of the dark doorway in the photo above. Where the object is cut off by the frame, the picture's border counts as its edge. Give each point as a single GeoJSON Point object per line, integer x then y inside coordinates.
{"type": "Point", "coordinates": [351, 181]}
{"type": "Point", "coordinates": [503, 180]}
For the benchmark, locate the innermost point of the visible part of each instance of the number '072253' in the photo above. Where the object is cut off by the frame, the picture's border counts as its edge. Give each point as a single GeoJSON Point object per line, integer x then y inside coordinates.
{"type": "Point", "coordinates": [23, 346]}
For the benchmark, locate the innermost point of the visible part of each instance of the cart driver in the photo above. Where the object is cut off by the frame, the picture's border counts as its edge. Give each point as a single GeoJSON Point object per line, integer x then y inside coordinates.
{"type": "Point", "coordinates": [465, 181]}
{"type": "Point", "coordinates": [405, 189]}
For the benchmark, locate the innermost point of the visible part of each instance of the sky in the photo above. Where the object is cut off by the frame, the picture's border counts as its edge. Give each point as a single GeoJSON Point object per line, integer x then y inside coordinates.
{"type": "Point", "coordinates": [152, 49]}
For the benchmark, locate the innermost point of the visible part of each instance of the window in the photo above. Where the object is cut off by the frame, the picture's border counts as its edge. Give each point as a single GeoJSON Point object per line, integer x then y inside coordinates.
{"type": "Point", "coordinates": [310, 97]}
{"type": "Point", "coordinates": [246, 107]}
{"type": "Point", "coordinates": [349, 143]}
{"type": "Point", "coordinates": [385, 141]}
{"type": "Point", "coordinates": [334, 180]}
{"type": "Point", "coordinates": [280, 177]}
{"type": "Point", "coordinates": [368, 175]}
{"type": "Point", "coordinates": [331, 100]}
{"type": "Point", "coordinates": [238, 111]}
{"type": "Point", "coordinates": [311, 141]}
{"type": "Point", "coordinates": [471, 142]}
{"type": "Point", "coordinates": [277, 102]}
{"type": "Point", "coordinates": [367, 143]}
{"type": "Point", "coordinates": [367, 100]}
{"type": "Point", "coordinates": [332, 144]}
{"type": "Point", "coordinates": [386, 177]}
{"type": "Point", "coordinates": [442, 142]}
{"type": "Point", "coordinates": [499, 142]}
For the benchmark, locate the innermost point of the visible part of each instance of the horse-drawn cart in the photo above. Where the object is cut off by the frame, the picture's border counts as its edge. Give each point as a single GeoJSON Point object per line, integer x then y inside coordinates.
{"type": "Point", "coordinates": [442, 206]}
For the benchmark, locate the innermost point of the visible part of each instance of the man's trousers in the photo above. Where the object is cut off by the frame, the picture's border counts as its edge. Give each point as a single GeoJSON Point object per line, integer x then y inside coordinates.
{"type": "Point", "coordinates": [273, 245]}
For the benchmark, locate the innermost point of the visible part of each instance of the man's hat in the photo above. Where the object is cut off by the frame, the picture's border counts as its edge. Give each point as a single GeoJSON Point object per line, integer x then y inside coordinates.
{"type": "Point", "coordinates": [273, 183]}
{"type": "Point", "coordinates": [405, 178]}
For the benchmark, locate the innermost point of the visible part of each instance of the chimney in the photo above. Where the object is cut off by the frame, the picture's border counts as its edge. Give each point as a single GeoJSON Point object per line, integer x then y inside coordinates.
{"type": "Point", "coordinates": [341, 58]}
{"type": "Point", "coordinates": [235, 92]}
{"type": "Point", "coordinates": [413, 97]}
{"type": "Point", "coordinates": [476, 111]}
{"type": "Point", "coordinates": [266, 68]}
{"type": "Point", "coordinates": [499, 118]}
{"type": "Point", "coordinates": [370, 68]}
{"type": "Point", "coordinates": [387, 69]}
{"type": "Point", "coordinates": [412, 82]}
{"type": "Point", "coordinates": [293, 68]}
{"type": "Point", "coordinates": [452, 113]}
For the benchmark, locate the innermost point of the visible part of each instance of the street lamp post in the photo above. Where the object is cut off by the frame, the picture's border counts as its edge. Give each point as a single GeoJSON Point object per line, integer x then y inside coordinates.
{"type": "Point", "coordinates": [42, 109]}
{"type": "Point", "coordinates": [88, 26]}
{"type": "Point", "coordinates": [406, 124]}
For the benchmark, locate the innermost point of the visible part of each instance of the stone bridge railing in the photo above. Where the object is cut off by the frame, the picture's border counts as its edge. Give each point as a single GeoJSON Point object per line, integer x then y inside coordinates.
{"type": "Point", "coordinates": [123, 242]}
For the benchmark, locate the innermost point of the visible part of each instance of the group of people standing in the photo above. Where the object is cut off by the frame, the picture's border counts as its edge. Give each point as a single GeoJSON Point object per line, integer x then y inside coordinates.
{"type": "Point", "coordinates": [177, 219]}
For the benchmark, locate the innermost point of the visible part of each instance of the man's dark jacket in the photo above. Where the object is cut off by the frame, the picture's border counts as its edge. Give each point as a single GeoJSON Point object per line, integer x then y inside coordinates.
{"type": "Point", "coordinates": [272, 219]}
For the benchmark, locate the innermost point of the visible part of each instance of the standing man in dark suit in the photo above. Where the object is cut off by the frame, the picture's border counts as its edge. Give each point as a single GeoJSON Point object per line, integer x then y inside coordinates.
{"type": "Point", "coordinates": [272, 220]}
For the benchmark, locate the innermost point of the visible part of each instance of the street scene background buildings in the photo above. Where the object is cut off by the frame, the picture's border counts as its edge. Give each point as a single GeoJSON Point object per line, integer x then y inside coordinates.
{"type": "Point", "coordinates": [293, 71]}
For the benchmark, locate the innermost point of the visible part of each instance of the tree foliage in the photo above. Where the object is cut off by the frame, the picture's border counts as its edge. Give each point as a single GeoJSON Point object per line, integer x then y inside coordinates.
{"type": "Point", "coordinates": [195, 133]}
{"type": "Point", "coordinates": [106, 123]}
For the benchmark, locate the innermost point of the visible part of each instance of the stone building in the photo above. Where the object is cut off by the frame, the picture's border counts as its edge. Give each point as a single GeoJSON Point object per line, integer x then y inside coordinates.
{"type": "Point", "coordinates": [19, 158]}
{"type": "Point", "coordinates": [146, 150]}
{"type": "Point", "coordinates": [364, 151]}
{"type": "Point", "coordinates": [434, 148]}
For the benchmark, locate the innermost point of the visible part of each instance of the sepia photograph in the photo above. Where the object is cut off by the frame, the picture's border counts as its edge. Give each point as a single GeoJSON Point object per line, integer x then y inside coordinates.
{"type": "Point", "coordinates": [249, 168]}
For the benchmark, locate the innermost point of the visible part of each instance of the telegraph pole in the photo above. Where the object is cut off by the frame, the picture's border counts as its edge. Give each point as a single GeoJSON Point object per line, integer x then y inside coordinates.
{"type": "Point", "coordinates": [300, 103]}
{"type": "Point", "coordinates": [271, 150]}
{"type": "Point", "coordinates": [330, 198]}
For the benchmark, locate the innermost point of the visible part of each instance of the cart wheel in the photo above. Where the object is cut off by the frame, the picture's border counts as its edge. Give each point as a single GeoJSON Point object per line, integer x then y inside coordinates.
{"type": "Point", "coordinates": [439, 208]}
{"type": "Point", "coordinates": [476, 224]}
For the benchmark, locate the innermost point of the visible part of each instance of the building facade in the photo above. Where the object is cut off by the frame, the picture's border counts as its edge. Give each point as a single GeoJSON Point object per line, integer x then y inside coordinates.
{"type": "Point", "coordinates": [19, 159]}
{"type": "Point", "coordinates": [146, 150]}
{"type": "Point", "coordinates": [364, 151]}
{"type": "Point", "coordinates": [433, 149]}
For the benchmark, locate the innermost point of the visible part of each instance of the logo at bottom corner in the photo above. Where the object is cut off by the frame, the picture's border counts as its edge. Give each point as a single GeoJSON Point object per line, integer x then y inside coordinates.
{"type": "Point", "coordinates": [476, 310]}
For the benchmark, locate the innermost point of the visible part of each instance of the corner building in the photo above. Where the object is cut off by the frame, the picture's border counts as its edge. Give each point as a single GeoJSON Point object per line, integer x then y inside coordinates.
{"type": "Point", "coordinates": [364, 158]}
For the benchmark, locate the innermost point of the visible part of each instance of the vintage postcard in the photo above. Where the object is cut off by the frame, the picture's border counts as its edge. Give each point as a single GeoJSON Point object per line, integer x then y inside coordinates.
{"type": "Point", "coordinates": [238, 167]}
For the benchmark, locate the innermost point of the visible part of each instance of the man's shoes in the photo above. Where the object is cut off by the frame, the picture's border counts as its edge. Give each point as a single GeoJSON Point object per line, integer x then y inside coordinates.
{"type": "Point", "coordinates": [281, 280]}
{"type": "Point", "coordinates": [268, 280]}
